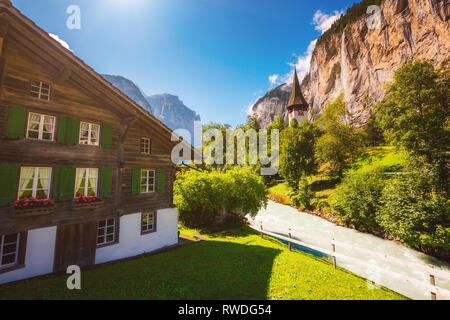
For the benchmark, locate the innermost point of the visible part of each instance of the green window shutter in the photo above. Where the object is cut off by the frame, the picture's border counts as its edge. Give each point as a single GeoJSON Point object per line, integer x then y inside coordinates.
{"type": "Point", "coordinates": [9, 174]}
{"type": "Point", "coordinates": [62, 129]}
{"type": "Point", "coordinates": [160, 180]}
{"type": "Point", "coordinates": [64, 183]}
{"type": "Point", "coordinates": [73, 130]}
{"type": "Point", "coordinates": [136, 181]}
{"type": "Point", "coordinates": [106, 136]}
{"type": "Point", "coordinates": [106, 182]}
{"type": "Point", "coordinates": [17, 118]}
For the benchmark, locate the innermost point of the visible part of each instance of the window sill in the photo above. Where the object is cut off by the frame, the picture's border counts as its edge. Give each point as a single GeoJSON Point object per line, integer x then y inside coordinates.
{"type": "Point", "coordinates": [40, 140]}
{"type": "Point", "coordinates": [99, 246]}
{"type": "Point", "coordinates": [143, 233]}
{"type": "Point", "coordinates": [13, 268]}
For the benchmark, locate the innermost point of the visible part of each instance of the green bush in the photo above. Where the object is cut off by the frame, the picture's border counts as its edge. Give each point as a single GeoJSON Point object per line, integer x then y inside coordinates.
{"type": "Point", "coordinates": [358, 197]}
{"type": "Point", "coordinates": [303, 196]}
{"type": "Point", "coordinates": [414, 212]}
{"type": "Point", "coordinates": [209, 199]}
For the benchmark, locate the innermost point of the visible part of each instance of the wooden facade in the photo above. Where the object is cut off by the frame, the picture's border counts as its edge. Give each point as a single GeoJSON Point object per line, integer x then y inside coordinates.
{"type": "Point", "coordinates": [28, 53]}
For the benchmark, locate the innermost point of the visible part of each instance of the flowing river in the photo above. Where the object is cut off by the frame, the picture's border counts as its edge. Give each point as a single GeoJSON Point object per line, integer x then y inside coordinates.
{"type": "Point", "coordinates": [319, 232]}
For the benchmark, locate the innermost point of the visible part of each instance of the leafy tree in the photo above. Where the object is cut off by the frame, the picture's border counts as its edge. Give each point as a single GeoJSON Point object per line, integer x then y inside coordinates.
{"type": "Point", "coordinates": [373, 133]}
{"type": "Point", "coordinates": [415, 115]}
{"type": "Point", "coordinates": [208, 199]}
{"type": "Point", "coordinates": [340, 144]}
{"type": "Point", "coordinates": [253, 122]}
{"type": "Point", "coordinates": [303, 196]}
{"type": "Point", "coordinates": [415, 212]}
{"type": "Point", "coordinates": [358, 197]}
{"type": "Point", "coordinates": [278, 124]}
{"type": "Point", "coordinates": [297, 152]}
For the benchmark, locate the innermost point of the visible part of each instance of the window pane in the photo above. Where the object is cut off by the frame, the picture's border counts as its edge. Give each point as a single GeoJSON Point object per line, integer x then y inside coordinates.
{"type": "Point", "coordinates": [8, 259]}
{"type": "Point", "coordinates": [110, 238]}
{"type": "Point", "coordinates": [33, 134]}
{"type": "Point", "coordinates": [46, 136]}
{"type": "Point", "coordinates": [35, 117]}
{"type": "Point", "coordinates": [80, 181]}
{"type": "Point", "coordinates": [26, 182]}
{"type": "Point", "coordinates": [11, 238]}
{"type": "Point", "coordinates": [10, 248]}
{"type": "Point", "coordinates": [101, 223]}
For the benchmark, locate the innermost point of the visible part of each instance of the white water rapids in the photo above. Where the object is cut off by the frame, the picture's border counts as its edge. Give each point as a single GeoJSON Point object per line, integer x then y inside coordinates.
{"type": "Point", "coordinates": [316, 231]}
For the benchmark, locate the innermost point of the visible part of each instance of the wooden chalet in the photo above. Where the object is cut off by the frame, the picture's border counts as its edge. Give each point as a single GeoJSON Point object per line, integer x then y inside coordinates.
{"type": "Point", "coordinates": [85, 172]}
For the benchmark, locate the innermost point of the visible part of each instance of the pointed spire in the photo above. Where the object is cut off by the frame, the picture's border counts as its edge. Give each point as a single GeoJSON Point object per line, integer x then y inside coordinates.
{"type": "Point", "coordinates": [297, 101]}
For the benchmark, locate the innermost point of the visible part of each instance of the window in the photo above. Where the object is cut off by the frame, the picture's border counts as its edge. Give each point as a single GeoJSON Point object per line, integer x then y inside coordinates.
{"type": "Point", "coordinates": [89, 133]}
{"type": "Point", "coordinates": [148, 222]}
{"type": "Point", "coordinates": [147, 181]}
{"type": "Point", "coordinates": [40, 90]}
{"type": "Point", "coordinates": [9, 250]}
{"type": "Point", "coordinates": [34, 182]}
{"type": "Point", "coordinates": [106, 232]}
{"type": "Point", "coordinates": [146, 145]}
{"type": "Point", "coordinates": [40, 127]}
{"type": "Point", "coordinates": [86, 182]}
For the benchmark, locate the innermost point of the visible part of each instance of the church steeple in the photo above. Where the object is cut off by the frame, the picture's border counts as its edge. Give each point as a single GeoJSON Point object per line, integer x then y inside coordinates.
{"type": "Point", "coordinates": [297, 106]}
{"type": "Point", "coordinates": [297, 101]}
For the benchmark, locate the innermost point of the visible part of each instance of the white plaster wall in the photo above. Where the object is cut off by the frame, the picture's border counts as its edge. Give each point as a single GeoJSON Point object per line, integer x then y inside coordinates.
{"type": "Point", "coordinates": [39, 255]}
{"type": "Point", "coordinates": [132, 243]}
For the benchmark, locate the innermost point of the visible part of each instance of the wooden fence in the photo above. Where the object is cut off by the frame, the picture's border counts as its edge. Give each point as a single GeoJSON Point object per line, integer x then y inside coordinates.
{"type": "Point", "coordinates": [430, 271]}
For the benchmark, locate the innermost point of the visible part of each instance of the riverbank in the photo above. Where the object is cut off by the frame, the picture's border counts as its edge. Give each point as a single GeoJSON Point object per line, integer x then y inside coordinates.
{"type": "Point", "coordinates": [318, 232]}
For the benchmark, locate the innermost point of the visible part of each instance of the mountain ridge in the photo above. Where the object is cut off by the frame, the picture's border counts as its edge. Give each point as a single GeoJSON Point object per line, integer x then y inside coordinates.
{"type": "Point", "coordinates": [167, 108]}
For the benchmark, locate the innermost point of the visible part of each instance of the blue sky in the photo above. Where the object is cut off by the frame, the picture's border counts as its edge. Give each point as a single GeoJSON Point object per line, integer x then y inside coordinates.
{"type": "Point", "coordinates": [218, 56]}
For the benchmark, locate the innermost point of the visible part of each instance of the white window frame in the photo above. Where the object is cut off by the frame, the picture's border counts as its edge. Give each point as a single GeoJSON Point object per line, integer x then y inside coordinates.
{"type": "Point", "coordinates": [86, 185]}
{"type": "Point", "coordinates": [2, 244]}
{"type": "Point", "coordinates": [38, 89]}
{"type": "Point", "coordinates": [90, 124]}
{"type": "Point", "coordinates": [145, 226]}
{"type": "Point", "coordinates": [147, 179]}
{"type": "Point", "coordinates": [106, 234]}
{"type": "Point", "coordinates": [35, 181]}
{"type": "Point", "coordinates": [146, 145]}
{"type": "Point", "coordinates": [41, 126]}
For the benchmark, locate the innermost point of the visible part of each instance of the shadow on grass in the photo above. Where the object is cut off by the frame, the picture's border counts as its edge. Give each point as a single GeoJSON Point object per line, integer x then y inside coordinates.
{"type": "Point", "coordinates": [324, 184]}
{"type": "Point", "coordinates": [206, 270]}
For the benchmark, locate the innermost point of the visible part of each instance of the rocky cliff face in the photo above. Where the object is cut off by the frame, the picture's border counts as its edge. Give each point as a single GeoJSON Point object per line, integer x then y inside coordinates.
{"type": "Point", "coordinates": [165, 107]}
{"type": "Point", "coordinates": [130, 89]}
{"type": "Point", "coordinates": [360, 61]}
{"type": "Point", "coordinates": [172, 111]}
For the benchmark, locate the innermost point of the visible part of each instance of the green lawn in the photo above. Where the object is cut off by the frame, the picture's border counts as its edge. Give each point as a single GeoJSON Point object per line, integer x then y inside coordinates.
{"type": "Point", "coordinates": [233, 265]}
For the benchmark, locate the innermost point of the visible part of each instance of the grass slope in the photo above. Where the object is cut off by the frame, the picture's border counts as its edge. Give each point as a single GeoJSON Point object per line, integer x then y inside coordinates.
{"type": "Point", "coordinates": [233, 265]}
{"type": "Point", "coordinates": [387, 159]}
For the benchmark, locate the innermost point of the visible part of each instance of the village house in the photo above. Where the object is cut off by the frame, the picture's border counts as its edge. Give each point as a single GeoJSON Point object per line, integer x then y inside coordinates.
{"type": "Point", "coordinates": [85, 172]}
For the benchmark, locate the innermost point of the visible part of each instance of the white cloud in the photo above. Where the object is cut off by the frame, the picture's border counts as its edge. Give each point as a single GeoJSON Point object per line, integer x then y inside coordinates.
{"type": "Point", "coordinates": [273, 79]}
{"type": "Point", "coordinates": [61, 42]}
{"type": "Point", "coordinates": [323, 21]}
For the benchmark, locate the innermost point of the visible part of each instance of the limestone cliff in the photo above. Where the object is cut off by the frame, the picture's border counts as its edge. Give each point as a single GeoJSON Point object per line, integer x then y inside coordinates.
{"type": "Point", "coordinates": [360, 61]}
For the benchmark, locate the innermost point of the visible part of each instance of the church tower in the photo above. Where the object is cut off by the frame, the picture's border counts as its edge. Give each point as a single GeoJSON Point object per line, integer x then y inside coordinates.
{"type": "Point", "coordinates": [297, 106]}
